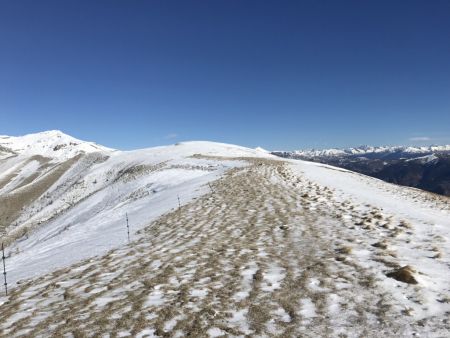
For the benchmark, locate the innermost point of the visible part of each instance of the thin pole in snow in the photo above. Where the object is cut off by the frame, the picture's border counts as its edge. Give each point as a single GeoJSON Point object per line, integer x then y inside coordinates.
{"type": "Point", "coordinates": [128, 227]}
{"type": "Point", "coordinates": [212, 190]}
{"type": "Point", "coordinates": [4, 269]}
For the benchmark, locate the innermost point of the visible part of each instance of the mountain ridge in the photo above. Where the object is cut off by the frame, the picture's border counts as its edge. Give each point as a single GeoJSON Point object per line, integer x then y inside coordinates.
{"type": "Point", "coordinates": [364, 150]}
{"type": "Point", "coordinates": [223, 240]}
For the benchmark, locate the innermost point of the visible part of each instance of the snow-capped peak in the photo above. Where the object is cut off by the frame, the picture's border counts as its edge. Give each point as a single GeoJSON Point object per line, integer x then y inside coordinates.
{"type": "Point", "coordinates": [51, 144]}
{"type": "Point", "coordinates": [362, 150]}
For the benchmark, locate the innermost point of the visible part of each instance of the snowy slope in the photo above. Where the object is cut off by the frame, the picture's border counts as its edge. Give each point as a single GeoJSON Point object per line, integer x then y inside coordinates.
{"type": "Point", "coordinates": [427, 237]}
{"type": "Point", "coordinates": [261, 246]}
{"type": "Point", "coordinates": [82, 213]}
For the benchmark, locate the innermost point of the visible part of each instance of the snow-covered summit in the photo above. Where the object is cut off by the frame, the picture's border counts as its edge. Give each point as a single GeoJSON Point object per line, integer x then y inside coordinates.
{"type": "Point", "coordinates": [51, 144]}
{"type": "Point", "coordinates": [192, 148]}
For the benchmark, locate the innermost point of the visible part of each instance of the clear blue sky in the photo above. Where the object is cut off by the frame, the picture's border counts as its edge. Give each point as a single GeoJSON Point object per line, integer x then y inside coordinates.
{"type": "Point", "coordinates": [276, 74]}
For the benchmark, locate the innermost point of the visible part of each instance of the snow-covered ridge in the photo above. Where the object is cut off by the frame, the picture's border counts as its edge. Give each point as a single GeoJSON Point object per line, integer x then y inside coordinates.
{"type": "Point", "coordinates": [52, 144]}
{"type": "Point", "coordinates": [363, 150]}
{"type": "Point", "coordinates": [425, 159]}
{"type": "Point", "coordinates": [63, 199]}
{"type": "Point", "coordinates": [281, 234]}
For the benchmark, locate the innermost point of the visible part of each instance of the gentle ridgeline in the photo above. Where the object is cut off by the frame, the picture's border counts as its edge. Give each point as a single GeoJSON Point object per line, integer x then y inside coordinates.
{"type": "Point", "coordinates": [228, 241]}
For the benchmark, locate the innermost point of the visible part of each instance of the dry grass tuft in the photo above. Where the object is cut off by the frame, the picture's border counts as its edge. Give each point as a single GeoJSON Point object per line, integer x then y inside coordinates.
{"type": "Point", "coordinates": [344, 250]}
{"type": "Point", "coordinates": [445, 299]}
{"type": "Point", "coordinates": [404, 224]}
{"type": "Point", "coordinates": [381, 245]}
{"type": "Point", "coordinates": [404, 274]}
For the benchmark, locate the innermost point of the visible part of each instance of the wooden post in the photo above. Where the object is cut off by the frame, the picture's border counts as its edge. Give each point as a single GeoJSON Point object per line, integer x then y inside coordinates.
{"type": "Point", "coordinates": [128, 227]}
{"type": "Point", "coordinates": [4, 269]}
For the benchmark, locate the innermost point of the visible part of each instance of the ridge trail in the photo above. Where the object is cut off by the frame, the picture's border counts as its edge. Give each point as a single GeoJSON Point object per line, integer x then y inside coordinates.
{"type": "Point", "coordinates": [267, 253]}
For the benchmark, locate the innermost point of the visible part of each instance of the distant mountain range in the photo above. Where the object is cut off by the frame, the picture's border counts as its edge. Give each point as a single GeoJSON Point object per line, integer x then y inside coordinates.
{"type": "Point", "coordinates": [371, 152]}
{"type": "Point", "coordinates": [426, 168]}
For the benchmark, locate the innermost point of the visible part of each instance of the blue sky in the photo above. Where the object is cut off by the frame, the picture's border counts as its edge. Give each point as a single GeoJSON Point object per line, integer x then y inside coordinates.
{"type": "Point", "coordinates": [276, 74]}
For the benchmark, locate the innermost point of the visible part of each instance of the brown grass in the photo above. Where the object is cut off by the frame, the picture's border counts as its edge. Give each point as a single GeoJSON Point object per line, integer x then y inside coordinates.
{"type": "Point", "coordinates": [405, 274]}
{"type": "Point", "coordinates": [12, 203]}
